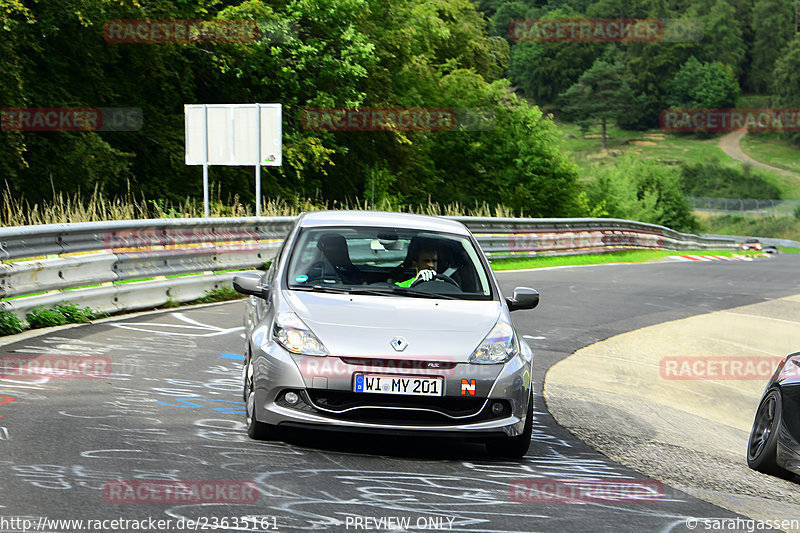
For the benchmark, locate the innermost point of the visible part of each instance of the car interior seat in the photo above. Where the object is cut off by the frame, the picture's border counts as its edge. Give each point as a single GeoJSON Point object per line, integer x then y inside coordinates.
{"type": "Point", "coordinates": [334, 249]}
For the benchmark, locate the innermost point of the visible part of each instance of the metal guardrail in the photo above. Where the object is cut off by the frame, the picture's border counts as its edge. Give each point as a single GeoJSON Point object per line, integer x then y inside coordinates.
{"type": "Point", "coordinates": [103, 264]}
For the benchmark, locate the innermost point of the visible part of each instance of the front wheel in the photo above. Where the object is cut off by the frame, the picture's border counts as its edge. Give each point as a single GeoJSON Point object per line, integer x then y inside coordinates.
{"type": "Point", "coordinates": [762, 447]}
{"type": "Point", "coordinates": [255, 429]}
{"type": "Point", "coordinates": [514, 447]}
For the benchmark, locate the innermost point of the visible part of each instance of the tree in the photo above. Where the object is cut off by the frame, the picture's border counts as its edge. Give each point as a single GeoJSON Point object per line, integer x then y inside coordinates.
{"type": "Point", "coordinates": [772, 30]}
{"type": "Point", "coordinates": [603, 92]}
{"type": "Point", "coordinates": [544, 70]}
{"type": "Point", "coordinates": [516, 160]}
{"type": "Point", "coordinates": [703, 85]}
{"type": "Point", "coordinates": [786, 81]}
{"type": "Point", "coordinates": [722, 37]}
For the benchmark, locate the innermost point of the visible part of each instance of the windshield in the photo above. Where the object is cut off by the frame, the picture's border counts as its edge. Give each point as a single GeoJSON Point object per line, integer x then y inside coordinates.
{"type": "Point", "coordinates": [381, 260]}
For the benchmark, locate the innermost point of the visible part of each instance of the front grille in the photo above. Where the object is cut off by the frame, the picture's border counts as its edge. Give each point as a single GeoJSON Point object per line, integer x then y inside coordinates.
{"type": "Point", "coordinates": [341, 400]}
{"type": "Point", "coordinates": [399, 364]}
{"type": "Point", "coordinates": [395, 409]}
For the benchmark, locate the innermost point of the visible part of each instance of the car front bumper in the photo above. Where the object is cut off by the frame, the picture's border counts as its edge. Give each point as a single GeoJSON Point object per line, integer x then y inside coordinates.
{"type": "Point", "coordinates": [481, 401]}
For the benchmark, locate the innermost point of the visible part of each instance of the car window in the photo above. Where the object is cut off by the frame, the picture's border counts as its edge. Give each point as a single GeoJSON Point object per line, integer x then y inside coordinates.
{"type": "Point", "coordinates": [387, 258]}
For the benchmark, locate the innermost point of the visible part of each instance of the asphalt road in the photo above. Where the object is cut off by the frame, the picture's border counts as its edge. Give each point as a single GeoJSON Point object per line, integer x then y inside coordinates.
{"type": "Point", "coordinates": [170, 410]}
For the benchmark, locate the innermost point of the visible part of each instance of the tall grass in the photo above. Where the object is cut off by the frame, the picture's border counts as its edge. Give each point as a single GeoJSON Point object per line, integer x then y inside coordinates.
{"type": "Point", "coordinates": [65, 208]}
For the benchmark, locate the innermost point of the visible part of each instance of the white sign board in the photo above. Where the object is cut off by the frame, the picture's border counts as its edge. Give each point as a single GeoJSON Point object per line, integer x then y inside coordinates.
{"type": "Point", "coordinates": [233, 134]}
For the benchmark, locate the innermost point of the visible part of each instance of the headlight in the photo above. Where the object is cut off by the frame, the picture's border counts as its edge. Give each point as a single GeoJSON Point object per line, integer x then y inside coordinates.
{"type": "Point", "coordinates": [498, 346]}
{"type": "Point", "coordinates": [291, 333]}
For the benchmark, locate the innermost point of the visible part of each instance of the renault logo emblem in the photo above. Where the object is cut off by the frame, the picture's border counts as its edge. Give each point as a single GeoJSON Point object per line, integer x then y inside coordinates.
{"type": "Point", "coordinates": [399, 344]}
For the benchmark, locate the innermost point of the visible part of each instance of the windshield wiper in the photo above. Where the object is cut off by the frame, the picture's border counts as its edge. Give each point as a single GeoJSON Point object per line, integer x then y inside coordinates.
{"type": "Point", "coordinates": [321, 288]}
{"type": "Point", "coordinates": [377, 291]}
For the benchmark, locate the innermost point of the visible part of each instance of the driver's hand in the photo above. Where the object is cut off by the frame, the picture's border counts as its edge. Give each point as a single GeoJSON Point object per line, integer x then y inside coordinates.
{"type": "Point", "coordinates": [425, 275]}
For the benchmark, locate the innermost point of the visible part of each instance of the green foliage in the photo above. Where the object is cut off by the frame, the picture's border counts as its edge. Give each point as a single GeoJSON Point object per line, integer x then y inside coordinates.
{"type": "Point", "coordinates": [786, 81]}
{"type": "Point", "coordinates": [723, 35]}
{"type": "Point", "coordinates": [602, 93]}
{"type": "Point", "coordinates": [757, 226]}
{"type": "Point", "coordinates": [63, 313]}
{"type": "Point", "coordinates": [704, 85]}
{"type": "Point", "coordinates": [221, 294]}
{"type": "Point", "coordinates": [515, 160]}
{"type": "Point", "coordinates": [9, 323]}
{"type": "Point", "coordinates": [643, 190]}
{"type": "Point", "coordinates": [715, 180]}
{"type": "Point", "coordinates": [772, 30]}
{"type": "Point", "coordinates": [544, 70]}
{"type": "Point", "coordinates": [349, 53]}
{"type": "Point", "coordinates": [39, 317]}
{"type": "Point", "coordinates": [74, 314]}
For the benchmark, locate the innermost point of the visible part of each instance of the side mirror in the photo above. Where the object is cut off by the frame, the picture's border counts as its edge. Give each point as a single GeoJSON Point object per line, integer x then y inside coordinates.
{"type": "Point", "coordinates": [249, 283]}
{"type": "Point", "coordinates": [524, 298]}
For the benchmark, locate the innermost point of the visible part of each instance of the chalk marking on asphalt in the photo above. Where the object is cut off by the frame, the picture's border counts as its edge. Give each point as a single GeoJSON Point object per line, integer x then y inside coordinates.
{"type": "Point", "coordinates": [184, 318]}
{"type": "Point", "coordinates": [762, 317]}
{"type": "Point", "coordinates": [746, 347]}
{"type": "Point", "coordinates": [130, 326]}
{"type": "Point", "coordinates": [642, 363]}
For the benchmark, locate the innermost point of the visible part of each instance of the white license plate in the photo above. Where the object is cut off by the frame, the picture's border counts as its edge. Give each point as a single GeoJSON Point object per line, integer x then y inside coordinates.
{"type": "Point", "coordinates": [412, 386]}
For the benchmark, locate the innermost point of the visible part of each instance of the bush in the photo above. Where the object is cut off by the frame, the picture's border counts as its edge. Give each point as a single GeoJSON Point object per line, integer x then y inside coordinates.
{"type": "Point", "coordinates": [74, 314]}
{"type": "Point", "coordinates": [39, 317]}
{"type": "Point", "coordinates": [10, 324]}
{"type": "Point", "coordinates": [717, 181]}
{"type": "Point", "coordinates": [644, 191]}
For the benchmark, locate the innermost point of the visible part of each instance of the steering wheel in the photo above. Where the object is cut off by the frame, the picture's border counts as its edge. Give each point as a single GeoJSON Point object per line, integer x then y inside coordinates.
{"type": "Point", "coordinates": [438, 277]}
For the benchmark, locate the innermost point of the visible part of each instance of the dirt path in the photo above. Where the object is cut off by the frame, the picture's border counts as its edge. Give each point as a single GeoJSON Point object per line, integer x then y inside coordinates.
{"type": "Point", "coordinates": [729, 144]}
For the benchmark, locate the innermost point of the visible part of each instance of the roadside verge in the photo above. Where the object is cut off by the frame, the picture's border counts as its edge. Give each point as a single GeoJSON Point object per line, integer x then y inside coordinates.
{"type": "Point", "coordinates": [616, 396]}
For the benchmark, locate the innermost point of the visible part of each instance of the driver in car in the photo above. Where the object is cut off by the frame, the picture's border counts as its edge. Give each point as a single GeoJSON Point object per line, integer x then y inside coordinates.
{"type": "Point", "coordinates": [424, 263]}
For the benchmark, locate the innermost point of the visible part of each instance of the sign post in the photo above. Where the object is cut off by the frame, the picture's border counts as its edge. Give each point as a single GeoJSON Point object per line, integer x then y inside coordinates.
{"type": "Point", "coordinates": [233, 135]}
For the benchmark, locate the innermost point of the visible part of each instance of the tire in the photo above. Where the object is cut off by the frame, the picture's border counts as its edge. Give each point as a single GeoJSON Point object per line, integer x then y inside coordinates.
{"type": "Point", "coordinates": [514, 447]}
{"type": "Point", "coordinates": [246, 376]}
{"type": "Point", "coordinates": [762, 446]}
{"type": "Point", "coordinates": [255, 430]}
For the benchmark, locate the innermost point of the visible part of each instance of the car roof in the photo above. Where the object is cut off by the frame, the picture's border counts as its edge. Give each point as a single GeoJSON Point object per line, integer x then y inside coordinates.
{"type": "Point", "coordinates": [381, 218]}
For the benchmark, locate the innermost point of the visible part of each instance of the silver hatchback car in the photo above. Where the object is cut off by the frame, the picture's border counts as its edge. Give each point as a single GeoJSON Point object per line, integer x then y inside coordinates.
{"type": "Point", "coordinates": [386, 322]}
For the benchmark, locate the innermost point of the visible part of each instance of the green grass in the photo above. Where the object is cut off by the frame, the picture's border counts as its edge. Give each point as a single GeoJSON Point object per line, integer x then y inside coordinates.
{"type": "Point", "coordinates": [627, 256]}
{"type": "Point", "coordinates": [788, 250]}
{"type": "Point", "coordinates": [669, 149]}
{"type": "Point", "coordinates": [221, 294]}
{"type": "Point", "coordinates": [772, 150]}
{"type": "Point", "coordinates": [753, 100]}
{"type": "Point", "coordinates": [762, 226]}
